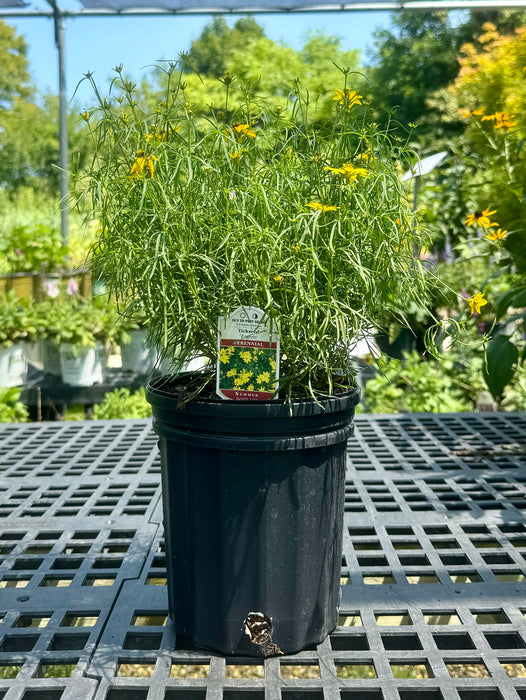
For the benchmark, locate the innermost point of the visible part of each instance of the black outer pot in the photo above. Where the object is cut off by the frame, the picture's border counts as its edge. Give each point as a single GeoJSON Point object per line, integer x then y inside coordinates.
{"type": "Point", "coordinates": [253, 498]}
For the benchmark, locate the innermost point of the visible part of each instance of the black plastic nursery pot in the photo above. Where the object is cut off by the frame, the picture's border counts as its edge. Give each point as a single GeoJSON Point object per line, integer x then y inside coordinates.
{"type": "Point", "coordinates": [253, 499]}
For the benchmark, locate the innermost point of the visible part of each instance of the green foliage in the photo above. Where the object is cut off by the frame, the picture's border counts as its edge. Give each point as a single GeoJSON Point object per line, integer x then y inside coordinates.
{"type": "Point", "coordinates": [121, 403]}
{"type": "Point", "coordinates": [515, 393]}
{"type": "Point", "coordinates": [12, 410]}
{"type": "Point", "coordinates": [414, 61]}
{"type": "Point", "coordinates": [76, 321]}
{"type": "Point", "coordinates": [17, 322]}
{"type": "Point", "coordinates": [26, 248]}
{"type": "Point", "coordinates": [411, 61]}
{"type": "Point", "coordinates": [209, 55]}
{"type": "Point", "coordinates": [254, 210]}
{"type": "Point", "coordinates": [416, 386]}
{"type": "Point", "coordinates": [15, 81]}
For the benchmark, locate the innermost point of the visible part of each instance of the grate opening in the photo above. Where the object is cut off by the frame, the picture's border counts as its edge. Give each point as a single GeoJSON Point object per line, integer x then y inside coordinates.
{"type": "Point", "coordinates": [361, 694]}
{"type": "Point", "coordinates": [420, 694]}
{"type": "Point", "coordinates": [393, 619]}
{"type": "Point", "coordinates": [176, 694]}
{"type": "Point", "coordinates": [356, 670]}
{"type": "Point", "coordinates": [401, 642]}
{"type": "Point", "coordinates": [490, 617]}
{"type": "Point", "coordinates": [454, 641]}
{"type": "Point", "coordinates": [51, 669]}
{"type": "Point", "coordinates": [486, 693]}
{"type": "Point", "coordinates": [182, 670]}
{"type": "Point", "coordinates": [350, 620]}
{"type": "Point", "coordinates": [66, 642]}
{"type": "Point", "coordinates": [469, 669]}
{"type": "Point", "coordinates": [43, 694]}
{"type": "Point", "coordinates": [504, 640]}
{"type": "Point", "coordinates": [291, 671]}
{"type": "Point", "coordinates": [22, 642]}
{"type": "Point", "coordinates": [149, 619]}
{"type": "Point", "coordinates": [514, 669]}
{"type": "Point", "coordinates": [441, 618]}
{"type": "Point", "coordinates": [411, 670]}
{"type": "Point", "coordinates": [142, 642]}
{"type": "Point", "coordinates": [355, 642]}
{"type": "Point", "coordinates": [84, 619]}
{"type": "Point", "coordinates": [292, 694]}
{"type": "Point", "coordinates": [8, 671]}
{"type": "Point", "coordinates": [244, 670]}
{"type": "Point", "coordinates": [128, 693]}
{"type": "Point", "coordinates": [244, 694]}
{"type": "Point", "coordinates": [33, 620]}
{"type": "Point", "coordinates": [137, 668]}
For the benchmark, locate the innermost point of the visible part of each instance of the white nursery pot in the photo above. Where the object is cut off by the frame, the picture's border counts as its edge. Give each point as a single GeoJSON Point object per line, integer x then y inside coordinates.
{"type": "Point", "coordinates": [13, 365]}
{"type": "Point", "coordinates": [51, 357]}
{"type": "Point", "coordinates": [84, 368]}
{"type": "Point", "coordinates": [136, 356]}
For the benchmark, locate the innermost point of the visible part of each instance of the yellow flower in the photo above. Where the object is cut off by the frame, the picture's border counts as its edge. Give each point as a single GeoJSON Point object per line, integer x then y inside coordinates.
{"type": "Point", "coordinates": [272, 363]}
{"type": "Point", "coordinates": [142, 163]}
{"type": "Point", "coordinates": [243, 377]}
{"type": "Point", "coordinates": [188, 107]}
{"type": "Point", "coordinates": [224, 356]}
{"type": "Point", "coordinates": [296, 248]}
{"type": "Point", "coordinates": [481, 218]}
{"type": "Point", "coordinates": [465, 113]}
{"type": "Point", "coordinates": [86, 116]}
{"type": "Point", "coordinates": [347, 97]}
{"type": "Point", "coordinates": [124, 117]}
{"type": "Point", "coordinates": [321, 207]}
{"type": "Point", "coordinates": [476, 302]}
{"type": "Point", "coordinates": [244, 130]}
{"type": "Point", "coordinates": [245, 356]}
{"type": "Point", "coordinates": [497, 235]}
{"type": "Point", "coordinates": [278, 279]}
{"type": "Point", "coordinates": [263, 378]}
{"type": "Point", "coordinates": [502, 120]}
{"type": "Point", "coordinates": [161, 135]}
{"type": "Point", "coordinates": [250, 387]}
{"type": "Point", "coordinates": [350, 172]}
{"type": "Point", "coordinates": [365, 156]}
{"type": "Point", "coordinates": [236, 156]}
{"type": "Point", "coordinates": [231, 372]}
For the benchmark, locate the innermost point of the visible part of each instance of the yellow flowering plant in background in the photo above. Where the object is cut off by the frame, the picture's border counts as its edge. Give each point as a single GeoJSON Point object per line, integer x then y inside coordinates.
{"type": "Point", "coordinates": [257, 206]}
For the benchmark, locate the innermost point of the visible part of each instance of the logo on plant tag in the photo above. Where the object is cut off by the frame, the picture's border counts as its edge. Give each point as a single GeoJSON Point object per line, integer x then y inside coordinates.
{"type": "Point", "coordinates": [248, 355]}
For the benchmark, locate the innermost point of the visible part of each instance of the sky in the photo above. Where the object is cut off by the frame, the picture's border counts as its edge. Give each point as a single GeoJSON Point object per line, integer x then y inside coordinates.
{"type": "Point", "coordinates": [99, 43]}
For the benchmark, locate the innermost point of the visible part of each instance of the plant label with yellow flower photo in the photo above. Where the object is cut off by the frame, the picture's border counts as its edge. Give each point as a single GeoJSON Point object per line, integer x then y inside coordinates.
{"type": "Point", "coordinates": [248, 356]}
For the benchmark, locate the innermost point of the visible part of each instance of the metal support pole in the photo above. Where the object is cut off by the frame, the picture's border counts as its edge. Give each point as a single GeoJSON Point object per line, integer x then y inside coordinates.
{"type": "Point", "coordinates": [60, 22]}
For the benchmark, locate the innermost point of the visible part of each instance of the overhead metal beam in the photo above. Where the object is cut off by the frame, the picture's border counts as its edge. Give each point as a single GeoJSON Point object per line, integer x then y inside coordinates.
{"type": "Point", "coordinates": [359, 6]}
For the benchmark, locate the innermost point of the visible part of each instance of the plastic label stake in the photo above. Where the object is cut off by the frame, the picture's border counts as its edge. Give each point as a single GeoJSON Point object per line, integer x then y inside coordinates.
{"type": "Point", "coordinates": [247, 355]}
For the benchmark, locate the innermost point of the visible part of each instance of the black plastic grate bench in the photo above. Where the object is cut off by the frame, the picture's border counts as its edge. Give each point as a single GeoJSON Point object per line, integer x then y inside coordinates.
{"type": "Point", "coordinates": [433, 570]}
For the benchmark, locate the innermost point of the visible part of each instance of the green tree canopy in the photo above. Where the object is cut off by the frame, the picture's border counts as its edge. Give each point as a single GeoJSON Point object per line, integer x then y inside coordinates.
{"type": "Point", "coordinates": [15, 80]}
{"type": "Point", "coordinates": [418, 56]}
{"type": "Point", "coordinates": [210, 53]}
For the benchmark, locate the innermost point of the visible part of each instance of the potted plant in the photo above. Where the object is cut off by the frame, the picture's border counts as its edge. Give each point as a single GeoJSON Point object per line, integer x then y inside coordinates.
{"type": "Point", "coordinates": [136, 354]}
{"type": "Point", "coordinates": [257, 209]}
{"type": "Point", "coordinates": [75, 333]}
{"type": "Point", "coordinates": [17, 329]}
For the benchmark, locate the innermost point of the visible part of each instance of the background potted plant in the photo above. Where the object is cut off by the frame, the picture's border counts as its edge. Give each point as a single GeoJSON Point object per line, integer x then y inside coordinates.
{"type": "Point", "coordinates": [17, 330]}
{"type": "Point", "coordinates": [252, 205]}
{"type": "Point", "coordinates": [131, 335]}
{"type": "Point", "coordinates": [75, 334]}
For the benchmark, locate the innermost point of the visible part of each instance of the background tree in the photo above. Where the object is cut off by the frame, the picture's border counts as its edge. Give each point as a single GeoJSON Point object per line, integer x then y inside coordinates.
{"type": "Point", "coordinates": [417, 57]}
{"type": "Point", "coordinates": [210, 53]}
{"type": "Point", "coordinates": [15, 81]}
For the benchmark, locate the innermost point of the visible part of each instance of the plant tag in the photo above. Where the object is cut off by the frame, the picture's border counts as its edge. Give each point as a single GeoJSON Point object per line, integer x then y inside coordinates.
{"type": "Point", "coordinates": [248, 355]}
